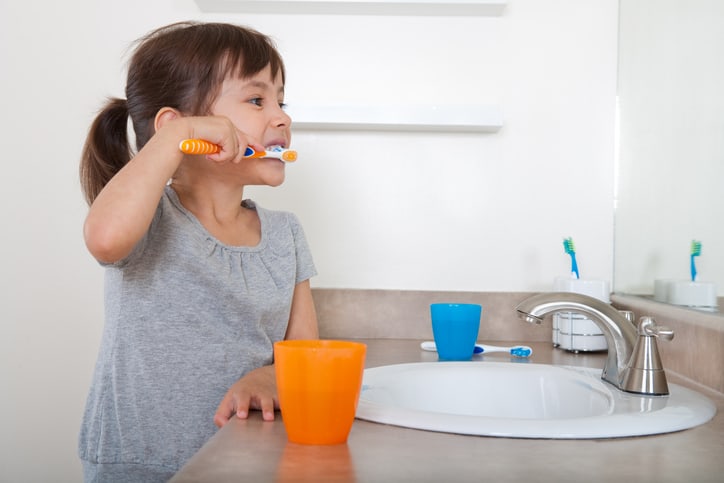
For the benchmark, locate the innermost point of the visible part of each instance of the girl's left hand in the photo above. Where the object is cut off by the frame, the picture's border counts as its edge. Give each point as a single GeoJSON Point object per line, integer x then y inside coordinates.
{"type": "Point", "coordinates": [256, 390]}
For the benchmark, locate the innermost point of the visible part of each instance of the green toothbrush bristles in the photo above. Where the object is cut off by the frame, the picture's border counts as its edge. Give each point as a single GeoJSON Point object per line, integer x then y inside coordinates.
{"type": "Point", "coordinates": [568, 245]}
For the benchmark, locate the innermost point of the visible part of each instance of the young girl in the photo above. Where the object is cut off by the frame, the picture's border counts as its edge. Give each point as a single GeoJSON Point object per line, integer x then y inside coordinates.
{"type": "Point", "coordinates": [199, 282]}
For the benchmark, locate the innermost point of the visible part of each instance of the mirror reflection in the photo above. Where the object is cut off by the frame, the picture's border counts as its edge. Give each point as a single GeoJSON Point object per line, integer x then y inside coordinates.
{"type": "Point", "coordinates": [671, 144]}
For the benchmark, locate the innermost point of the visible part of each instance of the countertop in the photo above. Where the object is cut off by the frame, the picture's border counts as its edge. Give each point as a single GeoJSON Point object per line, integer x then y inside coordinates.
{"type": "Point", "coordinates": [255, 450]}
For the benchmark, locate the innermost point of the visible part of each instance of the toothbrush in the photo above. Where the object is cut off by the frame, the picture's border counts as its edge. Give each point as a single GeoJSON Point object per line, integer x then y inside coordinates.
{"type": "Point", "coordinates": [517, 351]}
{"type": "Point", "coordinates": [695, 252]}
{"type": "Point", "coordinates": [571, 250]}
{"type": "Point", "coordinates": [200, 146]}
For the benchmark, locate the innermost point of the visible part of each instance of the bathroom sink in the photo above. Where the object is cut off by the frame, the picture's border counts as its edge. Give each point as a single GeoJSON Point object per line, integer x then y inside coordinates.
{"type": "Point", "coordinates": [521, 400]}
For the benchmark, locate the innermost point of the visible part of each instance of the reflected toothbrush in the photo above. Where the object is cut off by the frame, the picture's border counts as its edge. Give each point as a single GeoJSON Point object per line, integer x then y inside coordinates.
{"type": "Point", "coordinates": [571, 250]}
{"type": "Point", "coordinates": [517, 351]}
{"type": "Point", "coordinates": [200, 146]}
{"type": "Point", "coordinates": [695, 252]}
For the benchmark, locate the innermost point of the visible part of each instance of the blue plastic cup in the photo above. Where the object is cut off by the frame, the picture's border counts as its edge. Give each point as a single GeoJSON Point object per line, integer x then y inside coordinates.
{"type": "Point", "coordinates": [455, 329]}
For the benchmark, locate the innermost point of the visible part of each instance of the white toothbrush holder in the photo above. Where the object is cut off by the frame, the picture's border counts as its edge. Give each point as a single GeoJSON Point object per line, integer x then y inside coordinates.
{"type": "Point", "coordinates": [573, 331]}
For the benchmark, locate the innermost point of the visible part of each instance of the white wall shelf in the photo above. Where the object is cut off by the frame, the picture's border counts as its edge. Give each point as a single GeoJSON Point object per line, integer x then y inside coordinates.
{"type": "Point", "coordinates": [358, 7]}
{"type": "Point", "coordinates": [481, 119]}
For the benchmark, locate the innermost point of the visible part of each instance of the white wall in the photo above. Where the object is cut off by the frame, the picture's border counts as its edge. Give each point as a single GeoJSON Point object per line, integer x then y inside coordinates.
{"type": "Point", "coordinates": [381, 210]}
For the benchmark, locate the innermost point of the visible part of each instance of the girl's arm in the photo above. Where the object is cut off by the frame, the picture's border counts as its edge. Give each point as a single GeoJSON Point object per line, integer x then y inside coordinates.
{"type": "Point", "coordinates": [303, 317]}
{"type": "Point", "coordinates": [257, 389]}
{"type": "Point", "coordinates": [124, 209]}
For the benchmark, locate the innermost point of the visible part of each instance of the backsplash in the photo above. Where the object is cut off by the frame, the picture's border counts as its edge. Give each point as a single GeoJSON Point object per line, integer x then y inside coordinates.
{"type": "Point", "coordinates": [405, 314]}
{"type": "Point", "coordinates": [696, 352]}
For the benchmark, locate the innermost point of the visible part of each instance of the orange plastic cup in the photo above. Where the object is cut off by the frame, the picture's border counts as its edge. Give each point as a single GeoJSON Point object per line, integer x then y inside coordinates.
{"type": "Point", "coordinates": [318, 382]}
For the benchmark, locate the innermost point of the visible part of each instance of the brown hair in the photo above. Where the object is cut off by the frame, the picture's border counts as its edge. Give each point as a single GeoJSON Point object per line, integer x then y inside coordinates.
{"type": "Point", "coordinates": [181, 66]}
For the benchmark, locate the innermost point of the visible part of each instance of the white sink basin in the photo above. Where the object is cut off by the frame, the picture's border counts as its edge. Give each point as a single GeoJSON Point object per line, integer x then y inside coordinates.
{"type": "Point", "coordinates": [521, 400]}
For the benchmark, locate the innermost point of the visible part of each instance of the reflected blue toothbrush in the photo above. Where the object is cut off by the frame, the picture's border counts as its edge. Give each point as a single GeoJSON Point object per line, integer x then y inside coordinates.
{"type": "Point", "coordinates": [571, 250]}
{"type": "Point", "coordinates": [517, 351]}
{"type": "Point", "coordinates": [695, 252]}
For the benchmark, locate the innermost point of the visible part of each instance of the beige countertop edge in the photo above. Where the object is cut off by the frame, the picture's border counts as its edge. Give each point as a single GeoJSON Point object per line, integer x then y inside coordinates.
{"type": "Point", "coordinates": [254, 450]}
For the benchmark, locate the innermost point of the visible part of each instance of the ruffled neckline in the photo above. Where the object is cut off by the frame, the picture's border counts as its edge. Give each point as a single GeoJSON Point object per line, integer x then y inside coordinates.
{"type": "Point", "coordinates": [250, 204]}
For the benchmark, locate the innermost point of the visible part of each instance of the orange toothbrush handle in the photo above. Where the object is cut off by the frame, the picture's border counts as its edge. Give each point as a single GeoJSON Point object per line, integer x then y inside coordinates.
{"type": "Point", "coordinates": [198, 146]}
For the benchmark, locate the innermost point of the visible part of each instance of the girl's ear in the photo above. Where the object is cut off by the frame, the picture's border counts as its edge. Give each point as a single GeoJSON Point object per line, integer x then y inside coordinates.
{"type": "Point", "coordinates": [164, 115]}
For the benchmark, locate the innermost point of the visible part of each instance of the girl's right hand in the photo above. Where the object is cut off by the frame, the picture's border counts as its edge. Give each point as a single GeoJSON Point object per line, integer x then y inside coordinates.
{"type": "Point", "coordinates": [221, 131]}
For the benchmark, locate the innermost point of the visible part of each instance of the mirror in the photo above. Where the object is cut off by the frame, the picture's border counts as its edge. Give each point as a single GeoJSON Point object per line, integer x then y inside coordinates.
{"type": "Point", "coordinates": [670, 167]}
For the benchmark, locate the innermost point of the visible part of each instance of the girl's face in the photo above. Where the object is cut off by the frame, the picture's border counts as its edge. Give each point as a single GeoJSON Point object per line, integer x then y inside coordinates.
{"type": "Point", "coordinates": [255, 106]}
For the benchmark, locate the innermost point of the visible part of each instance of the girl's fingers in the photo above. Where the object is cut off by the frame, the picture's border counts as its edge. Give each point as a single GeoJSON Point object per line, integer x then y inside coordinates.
{"type": "Point", "coordinates": [267, 409]}
{"type": "Point", "coordinates": [224, 411]}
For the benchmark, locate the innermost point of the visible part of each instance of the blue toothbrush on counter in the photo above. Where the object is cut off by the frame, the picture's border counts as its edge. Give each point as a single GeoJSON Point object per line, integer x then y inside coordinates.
{"type": "Point", "coordinates": [517, 351]}
{"type": "Point", "coordinates": [571, 250]}
{"type": "Point", "coordinates": [695, 252]}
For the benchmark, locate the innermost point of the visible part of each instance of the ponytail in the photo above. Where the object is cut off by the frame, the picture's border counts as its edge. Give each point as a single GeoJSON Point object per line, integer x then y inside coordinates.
{"type": "Point", "coordinates": [106, 148]}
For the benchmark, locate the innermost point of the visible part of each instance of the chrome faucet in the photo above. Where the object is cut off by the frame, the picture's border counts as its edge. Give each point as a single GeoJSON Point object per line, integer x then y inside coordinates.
{"type": "Point", "coordinates": [619, 332]}
{"type": "Point", "coordinates": [644, 373]}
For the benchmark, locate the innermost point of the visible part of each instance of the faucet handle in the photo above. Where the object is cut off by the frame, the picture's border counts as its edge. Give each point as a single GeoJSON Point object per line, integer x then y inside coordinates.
{"type": "Point", "coordinates": [644, 373]}
{"type": "Point", "coordinates": [648, 327]}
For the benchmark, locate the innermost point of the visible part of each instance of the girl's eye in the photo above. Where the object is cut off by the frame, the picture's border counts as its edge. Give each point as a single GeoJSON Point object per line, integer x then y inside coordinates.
{"type": "Point", "coordinates": [259, 101]}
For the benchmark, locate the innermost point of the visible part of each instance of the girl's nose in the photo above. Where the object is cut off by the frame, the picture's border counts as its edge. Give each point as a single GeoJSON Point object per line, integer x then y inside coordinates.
{"type": "Point", "coordinates": [281, 118]}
